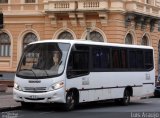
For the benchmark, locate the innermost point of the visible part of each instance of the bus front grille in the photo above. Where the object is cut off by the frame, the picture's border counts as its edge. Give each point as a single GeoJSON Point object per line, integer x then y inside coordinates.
{"type": "Point", "coordinates": [35, 89]}
{"type": "Point", "coordinates": [35, 99]}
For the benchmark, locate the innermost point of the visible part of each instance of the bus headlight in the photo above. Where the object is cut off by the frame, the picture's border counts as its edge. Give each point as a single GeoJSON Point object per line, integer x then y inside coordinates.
{"type": "Point", "coordinates": [17, 87]}
{"type": "Point", "coordinates": [56, 86]}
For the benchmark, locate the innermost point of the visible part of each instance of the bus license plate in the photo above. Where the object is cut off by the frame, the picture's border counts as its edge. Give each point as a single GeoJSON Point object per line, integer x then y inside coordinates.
{"type": "Point", "coordinates": [33, 97]}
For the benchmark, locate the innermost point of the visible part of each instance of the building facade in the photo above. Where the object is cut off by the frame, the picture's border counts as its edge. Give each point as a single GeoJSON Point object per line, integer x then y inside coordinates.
{"type": "Point", "coordinates": [114, 21]}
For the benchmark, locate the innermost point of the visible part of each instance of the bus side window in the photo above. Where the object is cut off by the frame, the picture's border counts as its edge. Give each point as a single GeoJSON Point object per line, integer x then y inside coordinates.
{"type": "Point", "coordinates": [101, 58]}
{"type": "Point", "coordinates": [123, 59]}
{"type": "Point", "coordinates": [139, 59]}
{"type": "Point", "coordinates": [132, 59]}
{"type": "Point", "coordinates": [115, 58]}
{"type": "Point", "coordinates": [149, 59]}
{"type": "Point", "coordinates": [78, 64]}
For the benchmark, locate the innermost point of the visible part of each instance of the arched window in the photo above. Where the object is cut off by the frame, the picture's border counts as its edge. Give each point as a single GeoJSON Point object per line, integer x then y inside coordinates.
{"type": "Point", "coordinates": [65, 35]}
{"type": "Point", "coordinates": [28, 38]}
{"type": "Point", "coordinates": [145, 40]}
{"type": "Point", "coordinates": [129, 39]}
{"type": "Point", "coordinates": [5, 45]}
{"type": "Point", "coordinates": [96, 36]}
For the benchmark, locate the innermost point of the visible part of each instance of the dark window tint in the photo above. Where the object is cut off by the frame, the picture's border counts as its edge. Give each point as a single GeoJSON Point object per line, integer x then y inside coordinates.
{"type": "Point", "coordinates": [101, 58]}
{"type": "Point", "coordinates": [148, 59]}
{"type": "Point", "coordinates": [78, 62]}
{"type": "Point", "coordinates": [132, 59]}
{"type": "Point", "coordinates": [115, 58]}
{"type": "Point", "coordinates": [139, 60]}
{"type": "Point", "coordinates": [119, 58]}
{"type": "Point", "coordinates": [123, 58]}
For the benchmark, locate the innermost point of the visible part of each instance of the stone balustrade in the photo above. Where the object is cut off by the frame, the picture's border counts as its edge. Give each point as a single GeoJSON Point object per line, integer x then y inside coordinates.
{"type": "Point", "coordinates": [87, 5]}
{"type": "Point", "coordinates": [55, 5]}
{"type": "Point", "coordinates": [93, 5]}
{"type": "Point", "coordinates": [73, 5]}
{"type": "Point", "coordinates": [142, 8]}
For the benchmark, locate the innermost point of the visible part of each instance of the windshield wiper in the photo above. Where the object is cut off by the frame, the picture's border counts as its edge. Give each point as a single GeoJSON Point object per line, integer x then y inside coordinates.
{"type": "Point", "coordinates": [46, 73]}
{"type": "Point", "coordinates": [31, 71]}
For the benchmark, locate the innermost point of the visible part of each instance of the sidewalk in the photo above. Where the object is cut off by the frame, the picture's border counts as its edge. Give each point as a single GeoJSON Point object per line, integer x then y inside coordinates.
{"type": "Point", "coordinates": [6, 100]}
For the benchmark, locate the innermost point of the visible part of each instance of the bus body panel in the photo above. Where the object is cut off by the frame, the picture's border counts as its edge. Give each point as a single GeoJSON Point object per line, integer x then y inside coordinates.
{"type": "Point", "coordinates": [149, 82]}
{"type": "Point", "coordinates": [111, 85]}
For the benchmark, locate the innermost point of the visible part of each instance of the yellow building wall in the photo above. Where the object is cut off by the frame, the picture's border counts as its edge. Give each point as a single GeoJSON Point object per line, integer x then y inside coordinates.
{"type": "Point", "coordinates": [41, 25]}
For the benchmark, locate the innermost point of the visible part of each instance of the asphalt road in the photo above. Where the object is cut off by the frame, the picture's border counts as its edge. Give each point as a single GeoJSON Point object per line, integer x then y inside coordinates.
{"type": "Point", "coordinates": [143, 108]}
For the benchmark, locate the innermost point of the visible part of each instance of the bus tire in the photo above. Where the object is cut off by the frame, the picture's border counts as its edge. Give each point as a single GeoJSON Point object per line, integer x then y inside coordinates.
{"type": "Point", "coordinates": [126, 98]}
{"type": "Point", "coordinates": [70, 101]}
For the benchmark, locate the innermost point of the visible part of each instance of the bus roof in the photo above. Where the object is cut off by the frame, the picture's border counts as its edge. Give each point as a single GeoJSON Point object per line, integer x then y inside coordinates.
{"type": "Point", "coordinates": [89, 42]}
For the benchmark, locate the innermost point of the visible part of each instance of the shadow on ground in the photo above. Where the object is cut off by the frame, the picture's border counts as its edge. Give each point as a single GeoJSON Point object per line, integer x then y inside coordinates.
{"type": "Point", "coordinates": [83, 106]}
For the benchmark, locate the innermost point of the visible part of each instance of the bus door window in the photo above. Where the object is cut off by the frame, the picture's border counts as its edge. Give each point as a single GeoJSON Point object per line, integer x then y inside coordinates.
{"type": "Point", "coordinates": [78, 64]}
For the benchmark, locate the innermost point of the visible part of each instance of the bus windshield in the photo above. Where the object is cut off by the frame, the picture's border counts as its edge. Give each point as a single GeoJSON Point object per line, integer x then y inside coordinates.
{"type": "Point", "coordinates": [43, 60]}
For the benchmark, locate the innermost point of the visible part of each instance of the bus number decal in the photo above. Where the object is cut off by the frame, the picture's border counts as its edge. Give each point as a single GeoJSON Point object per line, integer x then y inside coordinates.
{"type": "Point", "coordinates": [85, 81]}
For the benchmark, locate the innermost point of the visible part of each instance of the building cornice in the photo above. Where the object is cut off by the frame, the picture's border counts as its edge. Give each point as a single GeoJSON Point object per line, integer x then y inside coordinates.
{"type": "Point", "coordinates": [23, 14]}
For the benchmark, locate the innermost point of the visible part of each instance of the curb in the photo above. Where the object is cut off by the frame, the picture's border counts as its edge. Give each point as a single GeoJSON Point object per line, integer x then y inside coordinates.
{"type": "Point", "coordinates": [3, 88]}
{"type": "Point", "coordinates": [9, 108]}
{"type": "Point", "coordinates": [147, 96]}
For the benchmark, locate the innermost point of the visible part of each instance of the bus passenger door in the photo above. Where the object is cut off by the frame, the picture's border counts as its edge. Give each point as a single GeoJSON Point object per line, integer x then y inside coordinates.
{"type": "Point", "coordinates": [78, 71]}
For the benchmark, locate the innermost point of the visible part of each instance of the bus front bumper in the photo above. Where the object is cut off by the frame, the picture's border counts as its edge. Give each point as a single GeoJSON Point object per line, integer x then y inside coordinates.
{"type": "Point", "coordinates": [56, 96]}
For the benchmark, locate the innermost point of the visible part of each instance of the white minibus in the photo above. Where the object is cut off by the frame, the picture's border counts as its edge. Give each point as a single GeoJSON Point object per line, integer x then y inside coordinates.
{"type": "Point", "coordinates": [71, 72]}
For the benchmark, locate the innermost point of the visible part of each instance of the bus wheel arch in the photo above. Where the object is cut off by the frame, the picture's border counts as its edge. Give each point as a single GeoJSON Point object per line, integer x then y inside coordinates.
{"type": "Point", "coordinates": [130, 89]}
{"type": "Point", "coordinates": [128, 92]}
{"type": "Point", "coordinates": [76, 93]}
{"type": "Point", "coordinates": [72, 99]}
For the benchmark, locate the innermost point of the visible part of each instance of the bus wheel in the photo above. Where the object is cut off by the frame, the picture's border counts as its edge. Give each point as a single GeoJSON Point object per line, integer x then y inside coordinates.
{"type": "Point", "coordinates": [70, 101]}
{"type": "Point", "coordinates": [126, 98]}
